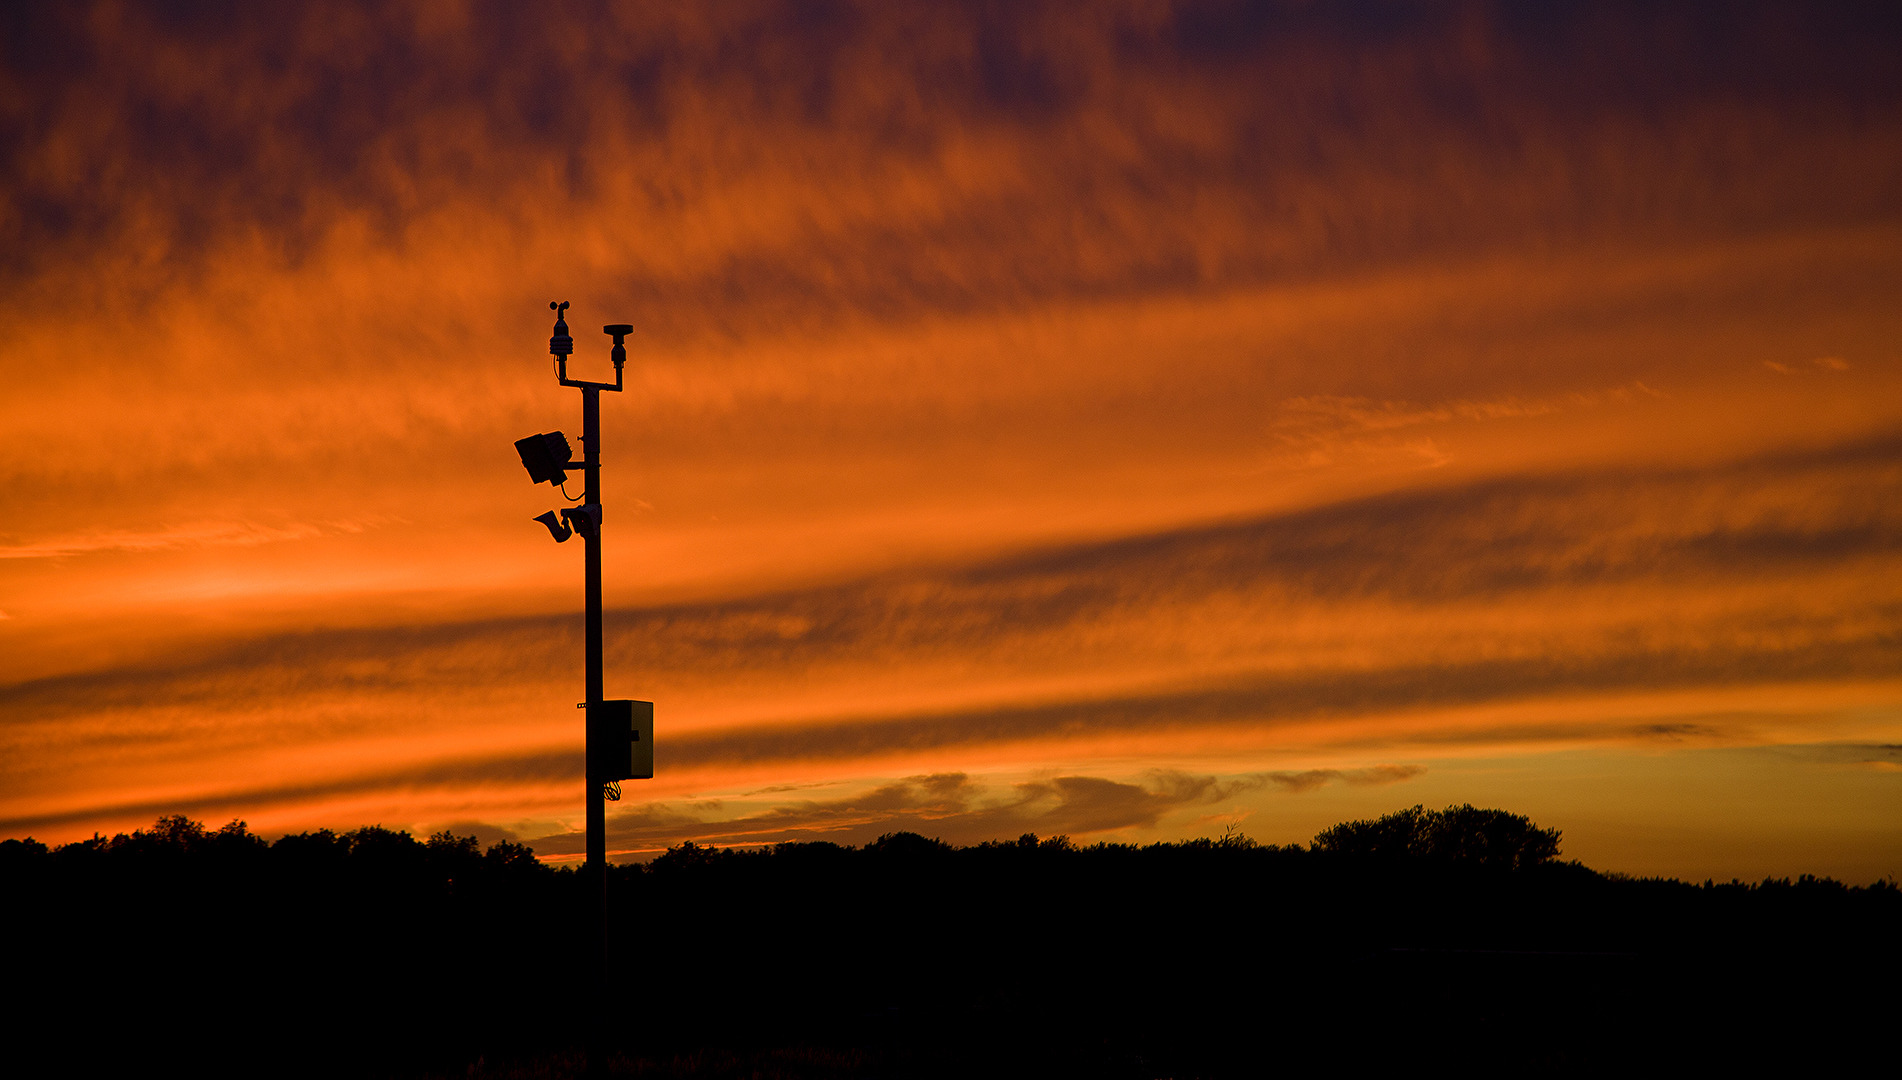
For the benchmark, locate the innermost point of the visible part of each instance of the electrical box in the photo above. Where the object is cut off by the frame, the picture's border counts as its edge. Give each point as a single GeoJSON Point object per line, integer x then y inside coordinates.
{"type": "Point", "coordinates": [621, 738]}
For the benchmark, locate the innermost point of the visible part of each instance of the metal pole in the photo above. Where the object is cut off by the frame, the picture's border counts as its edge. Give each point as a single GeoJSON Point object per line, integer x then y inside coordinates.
{"type": "Point", "coordinates": [534, 450]}
{"type": "Point", "coordinates": [597, 805]}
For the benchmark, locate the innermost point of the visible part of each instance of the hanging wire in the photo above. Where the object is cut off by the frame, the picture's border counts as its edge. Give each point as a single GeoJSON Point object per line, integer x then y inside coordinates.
{"type": "Point", "coordinates": [611, 791]}
{"type": "Point", "coordinates": [571, 498]}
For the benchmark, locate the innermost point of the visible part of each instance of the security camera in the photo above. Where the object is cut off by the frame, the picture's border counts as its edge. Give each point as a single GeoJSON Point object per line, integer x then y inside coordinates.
{"type": "Point", "coordinates": [556, 528]}
{"type": "Point", "coordinates": [585, 519]}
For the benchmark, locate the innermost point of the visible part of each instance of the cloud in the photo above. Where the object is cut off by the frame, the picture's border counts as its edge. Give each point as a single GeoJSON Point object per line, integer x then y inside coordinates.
{"type": "Point", "coordinates": [193, 535]}
{"type": "Point", "coordinates": [949, 806]}
{"type": "Point", "coordinates": [792, 161]}
{"type": "Point", "coordinates": [1310, 779]}
{"type": "Point", "coordinates": [1820, 363]}
{"type": "Point", "coordinates": [1676, 732]}
{"type": "Point", "coordinates": [1316, 430]}
{"type": "Point", "coordinates": [1369, 607]}
{"type": "Point", "coordinates": [243, 799]}
{"type": "Point", "coordinates": [1267, 701]}
{"type": "Point", "coordinates": [486, 834]}
{"type": "Point", "coordinates": [1845, 754]}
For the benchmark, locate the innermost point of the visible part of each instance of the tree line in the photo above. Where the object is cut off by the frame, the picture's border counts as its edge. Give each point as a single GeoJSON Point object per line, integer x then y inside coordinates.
{"type": "Point", "coordinates": [375, 951]}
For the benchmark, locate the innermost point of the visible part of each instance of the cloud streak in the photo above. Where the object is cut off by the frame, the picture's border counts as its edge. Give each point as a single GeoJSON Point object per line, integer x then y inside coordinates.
{"type": "Point", "coordinates": [194, 535]}
{"type": "Point", "coordinates": [1439, 568]}
{"type": "Point", "coordinates": [955, 807]}
{"type": "Point", "coordinates": [1814, 515]}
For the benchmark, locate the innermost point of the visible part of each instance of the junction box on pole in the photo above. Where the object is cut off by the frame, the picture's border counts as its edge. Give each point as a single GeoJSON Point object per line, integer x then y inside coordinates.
{"type": "Point", "coordinates": [621, 733]}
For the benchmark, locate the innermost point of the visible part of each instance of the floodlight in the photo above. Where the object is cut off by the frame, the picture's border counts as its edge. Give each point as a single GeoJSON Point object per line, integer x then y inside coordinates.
{"type": "Point", "coordinates": [545, 456]}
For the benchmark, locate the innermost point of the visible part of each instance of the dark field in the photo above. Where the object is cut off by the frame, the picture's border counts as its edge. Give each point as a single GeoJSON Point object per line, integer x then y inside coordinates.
{"type": "Point", "coordinates": [371, 953]}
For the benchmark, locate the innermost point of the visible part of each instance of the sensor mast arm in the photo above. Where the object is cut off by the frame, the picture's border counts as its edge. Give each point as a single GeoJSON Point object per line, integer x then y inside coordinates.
{"type": "Point", "coordinates": [561, 345]}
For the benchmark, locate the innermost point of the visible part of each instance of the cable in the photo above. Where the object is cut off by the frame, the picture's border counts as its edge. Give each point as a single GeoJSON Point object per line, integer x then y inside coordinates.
{"type": "Point", "coordinates": [571, 498]}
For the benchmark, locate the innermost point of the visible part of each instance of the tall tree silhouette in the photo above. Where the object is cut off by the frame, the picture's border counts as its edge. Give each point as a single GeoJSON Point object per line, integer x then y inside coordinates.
{"type": "Point", "coordinates": [1463, 834]}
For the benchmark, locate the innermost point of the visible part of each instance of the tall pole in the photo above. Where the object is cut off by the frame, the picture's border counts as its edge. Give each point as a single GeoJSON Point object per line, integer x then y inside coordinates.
{"type": "Point", "coordinates": [546, 457]}
{"type": "Point", "coordinates": [597, 804]}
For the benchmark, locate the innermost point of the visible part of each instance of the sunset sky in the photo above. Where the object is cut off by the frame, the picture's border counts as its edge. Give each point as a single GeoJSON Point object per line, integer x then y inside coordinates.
{"type": "Point", "coordinates": [1119, 420]}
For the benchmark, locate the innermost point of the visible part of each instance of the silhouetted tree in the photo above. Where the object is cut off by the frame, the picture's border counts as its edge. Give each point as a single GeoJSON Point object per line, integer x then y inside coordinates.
{"type": "Point", "coordinates": [1460, 834]}
{"type": "Point", "coordinates": [689, 856]}
{"type": "Point", "coordinates": [508, 857]}
{"type": "Point", "coordinates": [21, 854]}
{"type": "Point", "coordinates": [911, 846]}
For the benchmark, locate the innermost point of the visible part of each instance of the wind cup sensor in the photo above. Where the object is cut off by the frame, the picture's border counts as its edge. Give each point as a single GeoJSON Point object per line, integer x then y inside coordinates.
{"type": "Point", "coordinates": [546, 456]}
{"type": "Point", "coordinates": [560, 345]}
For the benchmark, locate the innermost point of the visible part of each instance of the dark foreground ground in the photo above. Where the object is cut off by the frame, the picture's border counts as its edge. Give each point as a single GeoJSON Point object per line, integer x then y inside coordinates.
{"type": "Point", "coordinates": [374, 954]}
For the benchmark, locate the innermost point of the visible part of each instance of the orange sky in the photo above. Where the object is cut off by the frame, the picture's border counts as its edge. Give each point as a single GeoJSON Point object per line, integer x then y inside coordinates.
{"type": "Point", "coordinates": [1121, 421]}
